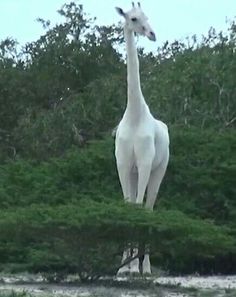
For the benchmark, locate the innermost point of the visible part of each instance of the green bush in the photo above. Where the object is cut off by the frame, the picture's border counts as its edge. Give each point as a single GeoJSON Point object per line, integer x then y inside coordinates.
{"type": "Point", "coordinates": [202, 166]}
{"type": "Point", "coordinates": [77, 198]}
{"type": "Point", "coordinates": [80, 237]}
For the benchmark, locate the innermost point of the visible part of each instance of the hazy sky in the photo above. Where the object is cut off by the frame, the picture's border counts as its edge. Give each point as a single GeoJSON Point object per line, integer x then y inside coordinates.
{"type": "Point", "coordinates": [170, 19]}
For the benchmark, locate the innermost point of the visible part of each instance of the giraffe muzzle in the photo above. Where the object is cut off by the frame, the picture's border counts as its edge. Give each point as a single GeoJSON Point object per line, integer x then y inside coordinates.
{"type": "Point", "coordinates": [151, 36]}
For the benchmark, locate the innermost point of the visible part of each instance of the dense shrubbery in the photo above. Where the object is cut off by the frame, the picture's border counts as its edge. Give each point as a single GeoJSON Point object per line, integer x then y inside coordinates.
{"type": "Point", "coordinates": [64, 238]}
{"type": "Point", "coordinates": [60, 198]}
{"type": "Point", "coordinates": [54, 211]}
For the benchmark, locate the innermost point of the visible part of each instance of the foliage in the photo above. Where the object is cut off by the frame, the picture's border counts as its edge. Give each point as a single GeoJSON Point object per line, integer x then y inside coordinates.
{"type": "Point", "coordinates": [62, 238]}
{"type": "Point", "coordinates": [57, 210]}
{"type": "Point", "coordinates": [192, 83]}
{"type": "Point", "coordinates": [202, 166]}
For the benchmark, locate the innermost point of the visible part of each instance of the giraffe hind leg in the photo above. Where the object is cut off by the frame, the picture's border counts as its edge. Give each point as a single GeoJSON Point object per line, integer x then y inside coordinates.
{"type": "Point", "coordinates": [154, 183]}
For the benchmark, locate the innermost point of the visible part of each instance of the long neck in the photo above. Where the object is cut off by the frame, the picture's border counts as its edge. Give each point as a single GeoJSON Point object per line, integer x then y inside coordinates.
{"type": "Point", "coordinates": [135, 97]}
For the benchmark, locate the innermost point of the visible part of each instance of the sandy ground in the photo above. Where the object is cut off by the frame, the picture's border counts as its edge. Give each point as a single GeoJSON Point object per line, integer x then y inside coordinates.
{"type": "Point", "coordinates": [211, 282]}
{"type": "Point", "coordinates": [36, 286]}
{"type": "Point", "coordinates": [76, 291]}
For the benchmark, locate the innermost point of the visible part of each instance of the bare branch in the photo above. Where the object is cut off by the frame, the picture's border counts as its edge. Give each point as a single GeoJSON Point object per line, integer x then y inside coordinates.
{"type": "Point", "coordinates": [230, 122]}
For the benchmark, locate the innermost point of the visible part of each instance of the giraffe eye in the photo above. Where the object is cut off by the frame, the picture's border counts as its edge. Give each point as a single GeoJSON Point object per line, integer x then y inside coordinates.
{"type": "Point", "coordinates": [134, 19]}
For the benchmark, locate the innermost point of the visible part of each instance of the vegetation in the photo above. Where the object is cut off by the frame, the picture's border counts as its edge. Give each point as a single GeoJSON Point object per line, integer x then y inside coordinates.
{"type": "Point", "coordinates": [60, 199]}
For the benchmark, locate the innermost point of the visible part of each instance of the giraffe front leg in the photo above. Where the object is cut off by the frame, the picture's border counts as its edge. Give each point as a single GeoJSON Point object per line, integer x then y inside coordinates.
{"type": "Point", "coordinates": [144, 171]}
{"type": "Point", "coordinates": [146, 264]}
{"type": "Point", "coordinates": [145, 152]}
{"type": "Point", "coordinates": [125, 270]}
{"type": "Point", "coordinates": [134, 265]}
{"type": "Point", "coordinates": [123, 155]}
{"type": "Point", "coordinates": [124, 176]}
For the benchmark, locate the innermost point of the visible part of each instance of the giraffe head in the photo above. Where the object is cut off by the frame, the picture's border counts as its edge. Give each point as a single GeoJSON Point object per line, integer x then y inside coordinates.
{"type": "Point", "coordinates": [136, 21]}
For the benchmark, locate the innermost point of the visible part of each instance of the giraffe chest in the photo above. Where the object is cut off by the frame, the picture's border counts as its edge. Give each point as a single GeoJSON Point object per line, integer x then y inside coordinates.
{"type": "Point", "coordinates": [134, 143]}
{"type": "Point", "coordinates": [136, 131]}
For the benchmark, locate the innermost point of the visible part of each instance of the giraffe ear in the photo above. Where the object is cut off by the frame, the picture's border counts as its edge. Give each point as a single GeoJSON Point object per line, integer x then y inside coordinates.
{"type": "Point", "coordinates": [120, 11]}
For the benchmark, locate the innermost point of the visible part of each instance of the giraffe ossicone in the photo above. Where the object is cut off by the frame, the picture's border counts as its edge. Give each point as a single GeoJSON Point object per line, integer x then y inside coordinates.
{"type": "Point", "coordinates": [142, 142]}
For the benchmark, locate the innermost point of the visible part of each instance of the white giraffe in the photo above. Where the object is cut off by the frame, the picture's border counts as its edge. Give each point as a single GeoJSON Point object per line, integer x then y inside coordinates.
{"type": "Point", "coordinates": [142, 142]}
